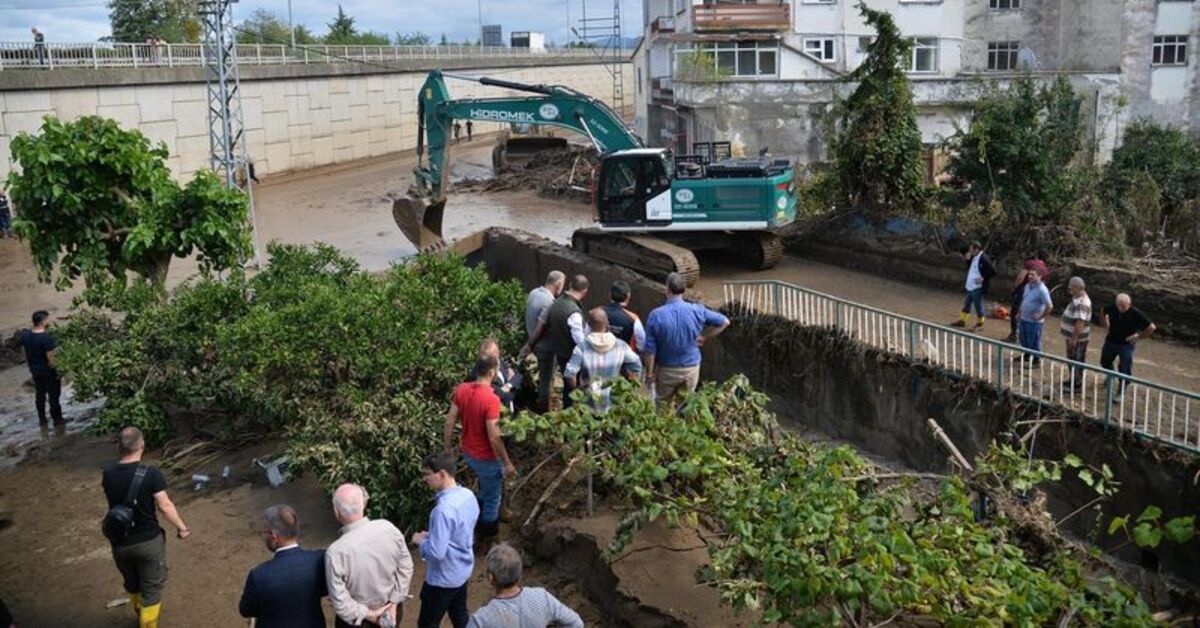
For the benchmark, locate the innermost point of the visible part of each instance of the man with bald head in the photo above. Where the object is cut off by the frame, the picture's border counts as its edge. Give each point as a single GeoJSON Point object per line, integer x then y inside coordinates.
{"type": "Point", "coordinates": [539, 300]}
{"type": "Point", "coordinates": [1126, 325]}
{"type": "Point", "coordinates": [600, 359]}
{"type": "Point", "coordinates": [368, 569]}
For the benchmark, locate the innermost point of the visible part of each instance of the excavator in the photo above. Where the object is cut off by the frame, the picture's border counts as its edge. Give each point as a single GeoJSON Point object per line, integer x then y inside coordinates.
{"type": "Point", "coordinates": [653, 211]}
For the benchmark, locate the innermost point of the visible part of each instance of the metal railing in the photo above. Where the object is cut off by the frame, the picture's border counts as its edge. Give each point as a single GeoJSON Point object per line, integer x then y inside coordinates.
{"type": "Point", "coordinates": [51, 56]}
{"type": "Point", "coordinates": [1151, 410]}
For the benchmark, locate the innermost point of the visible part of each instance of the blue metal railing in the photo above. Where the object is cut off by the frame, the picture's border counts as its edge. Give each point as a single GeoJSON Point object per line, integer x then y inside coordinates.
{"type": "Point", "coordinates": [1149, 409]}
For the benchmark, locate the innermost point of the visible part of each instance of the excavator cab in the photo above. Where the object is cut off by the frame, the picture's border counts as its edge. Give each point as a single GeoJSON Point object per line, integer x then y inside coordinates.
{"type": "Point", "coordinates": [631, 185]}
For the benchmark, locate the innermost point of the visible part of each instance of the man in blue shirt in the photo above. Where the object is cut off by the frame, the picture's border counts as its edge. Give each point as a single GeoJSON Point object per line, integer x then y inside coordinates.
{"type": "Point", "coordinates": [448, 546]}
{"type": "Point", "coordinates": [1035, 307]}
{"type": "Point", "coordinates": [675, 332]}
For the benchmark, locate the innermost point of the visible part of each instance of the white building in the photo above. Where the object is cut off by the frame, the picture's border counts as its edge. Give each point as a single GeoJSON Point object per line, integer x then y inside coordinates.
{"type": "Point", "coordinates": [772, 68]}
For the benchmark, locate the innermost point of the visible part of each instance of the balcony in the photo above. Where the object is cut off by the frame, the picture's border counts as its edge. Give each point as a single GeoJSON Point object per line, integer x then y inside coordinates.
{"type": "Point", "coordinates": [664, 24]}
{"type": "Point", "coordinates": [742, 17]}
{"type": "Point", "coordinates": [662, 88]}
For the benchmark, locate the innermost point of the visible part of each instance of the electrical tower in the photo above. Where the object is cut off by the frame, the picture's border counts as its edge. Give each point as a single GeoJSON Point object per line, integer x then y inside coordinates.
{"type": "Point", "coordinates": [226, 132]}
{"type": "Point", "coordinates": [604, 33]}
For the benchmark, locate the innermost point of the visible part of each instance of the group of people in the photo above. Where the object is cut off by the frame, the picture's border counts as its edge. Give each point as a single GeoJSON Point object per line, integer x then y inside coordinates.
{"type": "Point", "coordinates": [611, 341]}
{"type": "Point", "coordinates": [366, 573]}
{"type": "Point", "coordinates": [458, 130]}
{"type": "Point", "coordinates": [1032, 303]}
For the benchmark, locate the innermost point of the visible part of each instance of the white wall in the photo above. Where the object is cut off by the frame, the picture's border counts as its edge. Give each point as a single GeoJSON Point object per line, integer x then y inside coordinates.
{"type": "Point", "coordinates": [291, 124]}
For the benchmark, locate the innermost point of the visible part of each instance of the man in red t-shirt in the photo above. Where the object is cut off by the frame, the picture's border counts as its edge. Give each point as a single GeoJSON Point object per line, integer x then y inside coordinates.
{"type": "Point", "coordinates": [478, 406]}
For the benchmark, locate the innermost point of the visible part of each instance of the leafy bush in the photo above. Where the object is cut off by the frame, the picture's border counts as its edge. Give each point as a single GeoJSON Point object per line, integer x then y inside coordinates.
{"type": "Point", "coordinates": [1153, 182]}
{"type": "Point", "coordinates": [806, 536]}
{"type": "Point", "coordinates": [356, 368]}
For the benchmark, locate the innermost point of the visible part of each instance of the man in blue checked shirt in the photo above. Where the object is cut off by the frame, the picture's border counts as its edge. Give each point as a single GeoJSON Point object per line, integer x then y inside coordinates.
{"type": "Point", "coordinates": [675, 332]}
{"type": "Point", "coordinates": [448, 546]}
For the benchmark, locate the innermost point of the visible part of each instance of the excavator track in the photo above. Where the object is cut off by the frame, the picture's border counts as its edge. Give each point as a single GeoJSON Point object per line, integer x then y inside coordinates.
{"type": "Point", "coordinates": [645, 254]}
{"type": "Point", "coordinates": [760, 249]}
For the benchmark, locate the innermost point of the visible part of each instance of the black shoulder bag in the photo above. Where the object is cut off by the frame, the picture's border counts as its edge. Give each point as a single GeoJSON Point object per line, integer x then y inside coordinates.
{"type": "Point", "coordinates": [118, 523]}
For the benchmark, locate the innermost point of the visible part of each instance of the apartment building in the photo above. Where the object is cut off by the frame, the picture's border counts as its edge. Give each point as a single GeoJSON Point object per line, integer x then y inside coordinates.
{"type": "Point", "coordinates": [770, 69]}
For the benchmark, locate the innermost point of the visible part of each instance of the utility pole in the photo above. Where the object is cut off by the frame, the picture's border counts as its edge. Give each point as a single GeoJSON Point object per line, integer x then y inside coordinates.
{"type": "Point", "coordinates": [479, 5]}
{"type": "Point", "coordinates": [226, 133]}
{"type": "Point", "coordinates": [291, 26]}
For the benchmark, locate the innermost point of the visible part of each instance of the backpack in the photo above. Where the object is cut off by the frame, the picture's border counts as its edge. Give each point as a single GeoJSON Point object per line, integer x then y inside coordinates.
{"type": "Point", "coordinates": [118, 522]}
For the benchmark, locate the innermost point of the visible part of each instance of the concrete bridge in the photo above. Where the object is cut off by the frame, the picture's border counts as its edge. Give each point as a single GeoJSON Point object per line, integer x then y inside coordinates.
{"type": "Point", "coordinates": [297, 115]}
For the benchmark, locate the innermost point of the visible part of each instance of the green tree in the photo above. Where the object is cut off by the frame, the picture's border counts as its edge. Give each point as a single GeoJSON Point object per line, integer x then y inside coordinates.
{"type": "Point", "coordinates": [875, 142]}
{"type": "Point", "coordinates": [304, 37]}
{"type": "Point", "coordinates": [1019, 151]}
{"type": "Point", "coordinates": [341, 29]}
{"type": "Point", "coordinates": [1171, 159]}
{"type": "Point", "coordinates": [175, 21]}
{"type": "Point", "coordinates": [415, 38]}
{"type": "Point", "coordinates": [263, 27]}
{"type": "Point", "coordinates": [443, 41]}
{"type": "Point", "coordinates": [96, 201]}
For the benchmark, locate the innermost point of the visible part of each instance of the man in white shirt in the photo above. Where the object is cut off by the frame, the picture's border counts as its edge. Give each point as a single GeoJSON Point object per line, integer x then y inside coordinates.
{"type": "Point", "coordinates": [368, 569]}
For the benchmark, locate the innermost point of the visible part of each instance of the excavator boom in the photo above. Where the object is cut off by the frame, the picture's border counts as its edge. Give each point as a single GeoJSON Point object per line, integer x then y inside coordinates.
{"type": "Point", "coordinates": [419, 216]}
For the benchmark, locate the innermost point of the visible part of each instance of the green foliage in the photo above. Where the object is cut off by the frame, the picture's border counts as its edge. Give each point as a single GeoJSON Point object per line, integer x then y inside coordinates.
{"type": "Point", "coordinates": [343, 33]}
{"type": "Point", "coordinates": [175, 21]}
{"type": "Point", "coordinates": [97, 201]}
{"type": "Point", "coordinates": [699, 65]}
{"type": "Point", "coordinates": [415, 38]}
{"type": "Point", "coordinates": [874, 139]}
{"type": "Point", "coordinates": [807, 537]}
{"type": "Point", "coordinates": [355, 367]}
{"type": "Point", "coordinates": [1149, 530]}
{"type": "Point", "coordinates": [1153, 182]}
{"type": "Point", "coordinates": [263, 27]}
{"type": "Point", "coordinates": [818, 194]}
{"type": "Point", "coordinates": [1018, 151]}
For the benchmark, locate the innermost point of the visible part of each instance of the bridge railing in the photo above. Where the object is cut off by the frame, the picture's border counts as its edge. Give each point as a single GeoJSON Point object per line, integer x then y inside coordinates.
{"type": "Point", "coordinates": [1149, 409]}
{"type": "Point", "coordinates": [49, 56]}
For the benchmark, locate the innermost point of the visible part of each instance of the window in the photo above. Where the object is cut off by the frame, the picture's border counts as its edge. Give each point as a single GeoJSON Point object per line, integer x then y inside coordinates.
{"type": "Point", "coordinates": [1004, 5]}
{"type": "Point", "coordinates": [822, 49]}
{"type": "Point", "coordinates": [924, 55]}
{"type": "Point", "coordinates": [1170, 49]}
{"type": "Point", "coordinates": [741, 58]}
{"type": "Point", "coordinates": [1002, 55]}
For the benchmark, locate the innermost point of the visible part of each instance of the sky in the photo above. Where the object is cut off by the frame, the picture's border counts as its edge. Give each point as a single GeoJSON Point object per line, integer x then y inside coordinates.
{"type": "Point", "coordinates": [72, 21]}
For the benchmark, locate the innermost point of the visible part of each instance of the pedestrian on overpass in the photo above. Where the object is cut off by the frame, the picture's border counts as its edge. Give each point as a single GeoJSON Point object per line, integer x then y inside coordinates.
{"type": "Point", "coordinates": [675, 332]}
{"type": "Point", "coordinates": [470, 128]}
{"type": "Point", "coordinates": [979, 275]}
{"type": "Point", "coordinates": [1035, 307]}
{"type": "Point", "coordinates": [1126, 325]}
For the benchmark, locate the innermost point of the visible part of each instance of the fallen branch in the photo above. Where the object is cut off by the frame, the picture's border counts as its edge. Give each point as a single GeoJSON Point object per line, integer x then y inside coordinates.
{"type": "Point", "coordinates": [940, 434]}
{"type": "Point", "coordinates": [537, 507]}
{"type": "Point", "coordinates": [538, 467]}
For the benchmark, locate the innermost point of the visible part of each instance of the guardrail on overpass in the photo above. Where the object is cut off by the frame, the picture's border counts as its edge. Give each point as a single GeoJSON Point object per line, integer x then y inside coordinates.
{"type": "Point", "coordinates": [49, 56]}
{"type": "Point", "coordinates": [1162, 413]}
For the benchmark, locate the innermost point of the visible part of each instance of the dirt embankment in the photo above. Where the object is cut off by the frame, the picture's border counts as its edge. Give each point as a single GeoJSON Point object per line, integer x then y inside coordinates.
{"type": "Point", "coordinates": [914, 252]}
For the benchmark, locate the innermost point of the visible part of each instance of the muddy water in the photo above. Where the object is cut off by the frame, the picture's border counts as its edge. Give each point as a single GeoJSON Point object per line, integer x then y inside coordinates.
{"type": "Point", "coordinates": [19, 427]}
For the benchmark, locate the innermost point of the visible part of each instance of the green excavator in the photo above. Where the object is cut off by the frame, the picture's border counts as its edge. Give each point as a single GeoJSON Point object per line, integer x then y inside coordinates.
{"type": "Point", "coordinates": [653, 210]}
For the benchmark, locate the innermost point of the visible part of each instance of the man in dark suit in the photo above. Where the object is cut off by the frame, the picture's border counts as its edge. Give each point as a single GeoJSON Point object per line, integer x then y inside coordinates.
{"type": "Point", "coordinates": [285, 591]}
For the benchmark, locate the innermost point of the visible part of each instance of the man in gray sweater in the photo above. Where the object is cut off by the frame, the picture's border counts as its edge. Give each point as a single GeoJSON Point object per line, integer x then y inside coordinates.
{"type": "Point", "coordinates": [515, 606]}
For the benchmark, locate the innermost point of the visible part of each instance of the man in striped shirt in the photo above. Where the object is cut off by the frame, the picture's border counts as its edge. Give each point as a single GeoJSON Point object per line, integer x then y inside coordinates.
{"type": "Point", "coordinates": [515, 606]}
{"type": "Point", "coordinates": [602, 357]}
{"type": "Point", "coordinates": [1076, 328]}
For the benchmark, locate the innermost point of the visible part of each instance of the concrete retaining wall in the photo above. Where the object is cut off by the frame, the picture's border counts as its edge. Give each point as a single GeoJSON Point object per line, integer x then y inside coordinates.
{"type": "Point", "coordinates": [296, 117]}
{"type": "Point", "coordinates": [880, 402]}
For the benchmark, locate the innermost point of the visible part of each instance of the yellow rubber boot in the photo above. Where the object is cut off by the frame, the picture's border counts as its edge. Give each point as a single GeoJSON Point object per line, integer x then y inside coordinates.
{"type": "Point", "coordinates": [962, 320]}
{"type": "Point", "coordinates": [148, 618]}
{"type": "Point", "coordinates": [979, 324]}
{"type": "Point", "coordinates": [135, 601]}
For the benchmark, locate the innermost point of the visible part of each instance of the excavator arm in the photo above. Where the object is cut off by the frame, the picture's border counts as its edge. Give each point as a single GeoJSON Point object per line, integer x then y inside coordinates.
{"type": "Point", "coordinates": [419, 215]}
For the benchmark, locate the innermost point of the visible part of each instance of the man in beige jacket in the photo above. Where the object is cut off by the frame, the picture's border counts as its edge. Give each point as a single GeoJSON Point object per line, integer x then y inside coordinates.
{"type": "Point", "coordinates": [368, 568]}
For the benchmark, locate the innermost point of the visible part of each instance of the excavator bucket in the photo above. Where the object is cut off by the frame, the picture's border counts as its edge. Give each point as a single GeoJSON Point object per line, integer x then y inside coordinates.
{"type": "Point", "coordinates": [420, 219]}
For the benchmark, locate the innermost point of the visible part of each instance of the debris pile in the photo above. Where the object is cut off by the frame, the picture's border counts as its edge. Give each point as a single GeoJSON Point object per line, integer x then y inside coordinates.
{"type": "Point", "coordinates": [556, 173]}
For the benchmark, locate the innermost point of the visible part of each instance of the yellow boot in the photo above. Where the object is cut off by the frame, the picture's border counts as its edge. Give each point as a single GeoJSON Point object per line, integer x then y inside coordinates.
{"type": "Point", "coordinates": [135, 600]}
{"type": "Point", "coordinates": [962, 320]}
{"type": "Point", "coordinates": [148, 618]}
{"type": "Point", "coordinates": [979, 323]}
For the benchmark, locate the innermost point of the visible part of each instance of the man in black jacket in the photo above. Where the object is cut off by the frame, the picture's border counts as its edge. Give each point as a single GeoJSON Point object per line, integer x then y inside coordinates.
{"type": "Point", "coordinates": [286, 591]}
{"type": "Point", "coordinates": [506, 382]}
{"type": "Point", "coordinates": [979, 275]}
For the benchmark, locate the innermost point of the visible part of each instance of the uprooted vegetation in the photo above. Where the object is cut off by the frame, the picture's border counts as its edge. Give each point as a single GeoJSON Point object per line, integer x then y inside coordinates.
{"type": "Point", "coordinates": [553, 173]}
{"type": "Point", "coordinates": [817, 535]}
{"type": "Point", "coordinates": [356, 369]}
